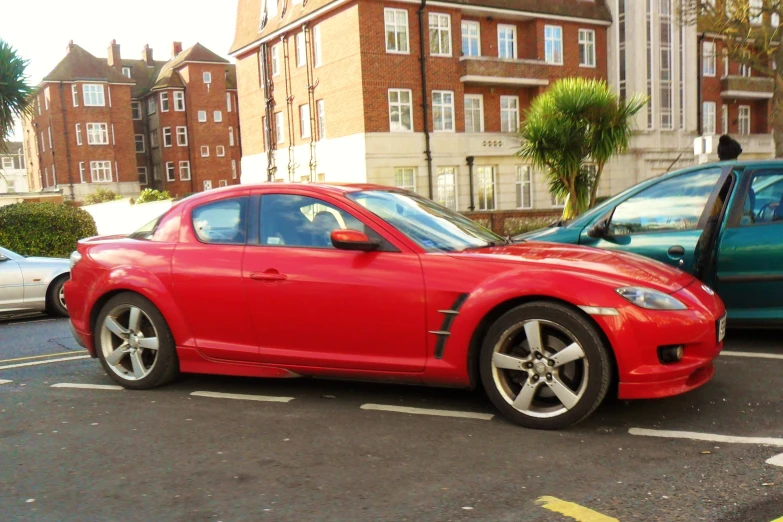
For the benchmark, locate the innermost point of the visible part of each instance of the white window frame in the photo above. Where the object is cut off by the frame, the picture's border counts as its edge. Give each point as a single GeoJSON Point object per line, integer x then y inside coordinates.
{"type": "Point", "coordinates": [756, 12]}
{"type": "Point", "coordinates": [220, 151]}
{"type": "Point", "coordinates": [513, 28]}
{"type": "Point", "coordinates": [317, 60]}
{"type": "Point", "coordinates": [168, 139]}
{"type": "Point", "coordinates": [47, 97]}
{"type": "Point", "coordinates": [94, 95]}
{"type": "Point", "coordinates": [397, 28]}
{"type": "Point", "coordinates": [556, 41]}
{"type": "Point", "coordinates": [206, 77]}
{"type": "Point", "coordinates": [480, 99]}
{"type": "Point", "coordinates": [724, 119]}
{"type": "Point", "coordinates": [494, 172]}
{"type": "Point", "coordinates": [222, 183]}
{"type": "Point", "coordinates": [279, 127]}
{"type": "Point", "coordinates": [171, 171]}
{"type": "Point", "coordinates": [139, 172]}
{"type": "Point", "coordinates": [99, 131]}
{"type": "Point", "coordinates": [79, 134]}
{"type": "Point", "coordinates": [136, 110]}
{"type": "Point", "coordinates": [587, 41]}
{"type": "Point", "coordinates": [136, 142]}
{"type": "Point", "coordinates": [217, 116]}
{"type": "Point", "coordinates": [233, 169]}
{"type": "Point", "coordinates": [447, 171]}
{"type": "Point", "coordinates": [99, 171]}
{"type": "Point", "coordinates": [466, 25]}
{"type": "Point", "coordinates": [7, 162]}
{"type": "Point", "coordinates": [439, 28]}
{"type": "Point", "coordinates": [514, 111]}
{"type": "Point", "coordinates": [403, 172]}
{"type": "Point", "coordinates": [231, 136]}
{"type": "Point", "coordinates": [82, 172]}
{"type": "Point", "coordinates": [708, 118]}
{"type": "Point", "coordinates": [154, 139]}
{"type": "Point", "coordinates": [164, 102]}
{"type": "Point", "coordinates": [400, 106]}
{"type": "Point", "coordinates": [709, 59]}
{"type": "Point", "coordinates": [743, 117]}
{"type": "Point", "coordinates": [179, 101]}
{"type": "Point", "coordinates": [182, 136]}
{"type": "Point", "coordinates": [521, 184]}
{"type": "Point", "coordinates": [205, 151]}
{"type": "Point", "coordinates": [228, 102]}
{"type": "Point", "coordinates": [304, 122]}
{"type": "Point", "coordinates": [207, 184]}
{"type": "Point", "coordinates": [184, 166]}
{"type": "Point", "coordinates": [74, 95]}
{"type": "Point", "coordinates": [275, 60]}
{"type": "Point", "coordinates": [152, 105]}
{"type": "Point", "coordinates": [51, 143]}
{"type": "Point", "coordinates": [444, 107]}
{"type": "Point", "coordinates": [126, 71]}
{"type": "Point", "coordinates": [300, 49]}
{"type": "Point", "coordinates": [745, 70]}
{"type": "Point", "coordinates": [320, 115]}
{"type": "Point", "coordinates": [202, 116]}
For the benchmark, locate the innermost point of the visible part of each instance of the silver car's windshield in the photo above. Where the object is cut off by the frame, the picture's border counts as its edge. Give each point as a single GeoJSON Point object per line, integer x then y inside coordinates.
{"type": "Point", "coordinates": [433, 227]}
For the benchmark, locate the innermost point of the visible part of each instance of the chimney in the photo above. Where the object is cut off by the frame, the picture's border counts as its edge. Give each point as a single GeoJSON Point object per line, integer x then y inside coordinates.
{"type": "Point", "coordinates": [146, 55]}
{"type": "Point", "coordinates": [70, 46]}
{"type": "Point", "coordinates": [114, 59]}
{"type": "Point", "coordinates": [176, 48]}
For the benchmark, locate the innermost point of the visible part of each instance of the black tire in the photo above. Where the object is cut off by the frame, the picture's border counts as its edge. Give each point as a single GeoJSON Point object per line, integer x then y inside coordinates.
{"type": "Point", "coordinates": [53, 305]}
{"type": "Point", "coordinates": [166, 366]}
{"type": "Point", "coordinates": [598, 367]}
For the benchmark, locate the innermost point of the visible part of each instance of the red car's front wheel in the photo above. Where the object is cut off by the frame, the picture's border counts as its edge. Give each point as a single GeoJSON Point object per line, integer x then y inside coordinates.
{"type": "Point", "coordinates": [545, 366]}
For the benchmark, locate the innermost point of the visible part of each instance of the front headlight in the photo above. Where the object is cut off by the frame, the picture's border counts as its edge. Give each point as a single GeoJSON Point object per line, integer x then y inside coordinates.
{"type": "Point", "coordinates": [75, 258]}
{"type": "Point", "coordinates": [650, 299]}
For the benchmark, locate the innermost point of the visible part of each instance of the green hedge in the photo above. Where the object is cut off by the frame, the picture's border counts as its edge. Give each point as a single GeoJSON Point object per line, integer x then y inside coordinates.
{"type": "Point", "coordinates": [148, 195]}
{"type": "Point", "coordinates": [100, 196]}
{"type": "Point", "coordinates": [44, 229]}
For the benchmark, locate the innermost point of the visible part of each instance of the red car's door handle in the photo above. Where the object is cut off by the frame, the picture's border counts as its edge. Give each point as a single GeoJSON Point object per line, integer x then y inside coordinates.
{"type": "Point", "coordinates": [268, 276]}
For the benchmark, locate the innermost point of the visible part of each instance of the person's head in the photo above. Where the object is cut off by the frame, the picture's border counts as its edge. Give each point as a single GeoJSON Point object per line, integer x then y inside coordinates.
{"type": "Point", "coordinates": [728, 148]}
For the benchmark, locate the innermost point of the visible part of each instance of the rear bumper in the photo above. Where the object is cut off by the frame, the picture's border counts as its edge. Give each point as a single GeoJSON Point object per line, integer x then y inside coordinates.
{"type": "Point", "coordinates": [83, 339]}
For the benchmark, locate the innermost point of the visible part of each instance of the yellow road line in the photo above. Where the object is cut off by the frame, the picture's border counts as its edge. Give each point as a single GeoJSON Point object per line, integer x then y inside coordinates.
{"type": "Point", "coordinates": [59, 354]}
{"type": "Point", "coordinates": [575, 511]}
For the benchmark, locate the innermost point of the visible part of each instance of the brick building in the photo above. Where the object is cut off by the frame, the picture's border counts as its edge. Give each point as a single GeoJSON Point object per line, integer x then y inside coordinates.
{"type": "Point", "coordinates": [424, 98]}
{"type": "Point", "coordinates": [127, 125]}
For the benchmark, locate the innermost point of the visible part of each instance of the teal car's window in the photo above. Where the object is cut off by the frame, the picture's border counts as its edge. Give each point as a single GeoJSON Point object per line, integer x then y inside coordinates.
{"type": "Point", "coordinates": [673, 204]}
{"type": "Point", "coordinates": [764, 201]}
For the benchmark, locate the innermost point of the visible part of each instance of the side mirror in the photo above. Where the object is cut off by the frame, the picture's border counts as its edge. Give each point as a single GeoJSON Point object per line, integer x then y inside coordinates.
{"type": "Point", "coordinates": [353, 240]}
{"type": "Point", "coordinates": [599, 230]}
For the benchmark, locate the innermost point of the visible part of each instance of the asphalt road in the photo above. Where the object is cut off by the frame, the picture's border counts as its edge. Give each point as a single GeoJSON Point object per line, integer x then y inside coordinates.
{"type": "Point", "coordinates": [75, 454]}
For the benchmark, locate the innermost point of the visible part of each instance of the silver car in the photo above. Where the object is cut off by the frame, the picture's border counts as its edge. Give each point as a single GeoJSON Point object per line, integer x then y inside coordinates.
{"type": "Point", "coordinates": [33, 283]}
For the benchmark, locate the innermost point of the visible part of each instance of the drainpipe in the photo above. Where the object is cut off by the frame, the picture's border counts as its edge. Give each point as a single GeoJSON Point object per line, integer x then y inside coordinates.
{"type": "Point", "coordinates": [67, 145]}
{"type": "Point", "coordinates": [700, 52]}
{"type": "Point", "coordinates": [422, 60]}
{"type": "Point", "coordinates": [469, 159]}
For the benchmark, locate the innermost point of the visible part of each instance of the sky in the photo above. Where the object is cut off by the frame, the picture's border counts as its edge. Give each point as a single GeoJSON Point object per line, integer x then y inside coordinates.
{"type": "Point", "coordinates": [43, 28]}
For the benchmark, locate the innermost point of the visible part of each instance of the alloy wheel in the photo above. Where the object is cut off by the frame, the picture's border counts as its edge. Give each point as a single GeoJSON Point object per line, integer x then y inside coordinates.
{"type": "Point", "coordinates": [129, 342]}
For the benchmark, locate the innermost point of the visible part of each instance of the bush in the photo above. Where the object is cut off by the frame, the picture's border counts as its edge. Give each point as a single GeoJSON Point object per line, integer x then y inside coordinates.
{"type": "Point", "coordinates": [100, 196]}
{"type": "Point", "coordinates": [148, 195]}
{"type": "Point", "coordinates": [516, 226]}
{"type": "Point", "coordinates": [44, 229]}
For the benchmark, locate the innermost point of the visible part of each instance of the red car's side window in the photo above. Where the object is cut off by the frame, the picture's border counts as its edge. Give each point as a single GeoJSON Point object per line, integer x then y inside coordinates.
{"type": "Point", "coordinates": [221, 222]}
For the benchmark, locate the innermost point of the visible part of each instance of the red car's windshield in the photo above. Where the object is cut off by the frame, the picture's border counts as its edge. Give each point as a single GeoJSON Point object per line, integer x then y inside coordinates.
{"type": "Point", "coordinates": [433, 227]}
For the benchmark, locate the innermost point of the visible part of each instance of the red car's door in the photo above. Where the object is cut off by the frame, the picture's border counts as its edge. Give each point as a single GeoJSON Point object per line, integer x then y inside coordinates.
{"type": "Point", "coordinates": [206, 270]}
{"type": "Point", "coordinates": [314, 305]}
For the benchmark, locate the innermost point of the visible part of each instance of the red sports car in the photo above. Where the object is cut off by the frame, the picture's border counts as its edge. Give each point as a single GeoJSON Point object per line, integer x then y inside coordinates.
{"type": "Point", "coordinates": [369, 282]}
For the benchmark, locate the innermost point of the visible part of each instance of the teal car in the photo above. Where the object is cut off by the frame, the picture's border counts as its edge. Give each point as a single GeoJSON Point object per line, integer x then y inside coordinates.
{"type": "Point", "coordinates": [722, 222]}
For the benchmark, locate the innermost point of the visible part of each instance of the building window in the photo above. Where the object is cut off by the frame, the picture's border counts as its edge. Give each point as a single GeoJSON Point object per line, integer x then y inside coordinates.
{"type": "Point", "coordinates": [51, 143]}
{"type": "Point", "coordinates": [207, 184]}
{"type": "Point", "coordinates": [405, 178]}
{"type": "Point", "coordinates": [756, 12]}
{"type": "Point", "coordinates": [524, 187]}
{"type": "Point", "coordinates": [649, 28]}
{"type": "Point", "coordinates": [231, 136]}
{"type": "Point", "coordinates": [446, 187]}
{"type": "Point", "coordinates": [744, 120]}
{"type": "Point", "coordinates": [78, 133]}
{"type": "Point", "coordinates": [74, 95]}
{"type": "Point", "coordinates": [443, 110]}
{"type": "Point", "coordinates": [139, 140]}
{"type": "Point", "coordinates": [156, 172]}
{"type": "Point", "coordinates": [400, 110]}
{"type": "Point", "coordinates": [171, 174]}
{"type": "Point", "coordinates": [184, 170]}
{"type": "Point", "coordinates": [167, 141]}
{"type": "Point", "coordinates": [621, 38]}
{"type": "Point", "coordinates": [142, 173]}
{"type": "Point", "coordinates": [474, 113]}
{"type": "Point", "coordinates": [126, 71]}
{"type": "Point", "coordinates": [682, 68]}
{"type": "Point", "coordinates": [665, 67]}
{"type": "Point", "coordinates": [708, 114]}
{"type": "Point", "coordinates": [586, 48]}
{"type": "Point", "coordinates": [182, 136]}
{"type": "Point", "coordinates": [709, 59]}
{"type": "Point", "coordinates": [319, 109]}
{"type": "Point", "coordinates": [233, 169]}
{"type": "Point", "coordinates": [553, 44]}
{"type": "Point", "coordinates": [217, 116]}
{"type": "Point", "coordinates": [304, 120]}
{"type": "Point", "coordinates": [317, 46]}
{"type": "Point", "coordinates": [164, 102]}
{"type": "Point", "coordinates": [222, 183]}
{"type": "Point", "coordinates": [557, 201]}
{"type": "Point", "coordinates": [279, 130]}
{"type": "Point", "coordinates": [440, 34]}
{"type": "Point", "coordinates": [396, 30]}
{"type": "Point", "coordinates": [207, 77]}
{"type": "Point", "coordinates": [205, 151]}
{"type": "Point", "coordinates": [744, 70]}
{"type": "Point", "coordinates": [93, 95]}
{"type": "Point", "coordinates": [471, 39]}
{"type": "Point", "coordinates": [220, 151]}
{"type": "Point", "coordinates": [7, 163]}
{"type": "Point", "coordinates": [152, 105]}
{"type": "Point", "coordinates": [301, 49]}
{"type": "Point", "coordinates": [509, 113]}
{"type": "Point", "coordinates": [507, 42]}
{"type": "Point", "coordinates": [228, 102]}
{"type": "Point", "coordinates": [100, 171]}
{"type": "Point", "coordinates": [136, 110]}
{"type": "Point", "coordinates": [82, 172]}
{"type": "Point", "coordinates": [276, 60]}
{"type": "Point", "coordinates": [47, 97]}
{"type": "Point", "coordinates": [724, 119]}
{"type": "Point", "coordinates": [202, 116]}
{"type": "Point", "coordinates": [154, 138]}
{"type": "Point", "coordinates": [97, 134]}
{"type": "Point", "coordinates": [43, 143]}
{"type": "Point", "coordinates": [179, 101]}
{"type": "Point", "coordinates": [485, 186]}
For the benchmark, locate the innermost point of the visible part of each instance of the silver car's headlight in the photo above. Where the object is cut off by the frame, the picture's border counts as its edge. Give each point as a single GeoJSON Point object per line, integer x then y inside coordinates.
{"type": "Point", "coordinates": [75, 258]}
{"type": "Point", "coordinates": [650, 299]}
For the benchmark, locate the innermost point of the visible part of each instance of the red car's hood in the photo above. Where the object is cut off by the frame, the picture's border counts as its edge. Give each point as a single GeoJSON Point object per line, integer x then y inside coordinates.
{"type": "Point", "coordinates": [626, 268]}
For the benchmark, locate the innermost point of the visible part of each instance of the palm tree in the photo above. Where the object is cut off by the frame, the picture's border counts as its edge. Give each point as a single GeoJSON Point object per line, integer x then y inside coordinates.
{"type": "Point", "coordinates": [14, 90]}
{"type": "Point", "coordinates": [574, 120]}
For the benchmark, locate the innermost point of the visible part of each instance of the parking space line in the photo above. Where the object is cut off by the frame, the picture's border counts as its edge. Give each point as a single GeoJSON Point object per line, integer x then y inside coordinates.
{"type": "Point", "coordinates": [575, 511]}
{"type": "Point", "coordinates": [31, 357]}
{"type": "Point", "coordinates": [241, 396]}
{"type": "Point", "coordinates": [777, 460]}
{"type": "Point", "coordinates": [4, 381]}
{"type": "Point", "coordinates": [426, 411]}
{"type": "Point", "coordinates": [757, 355]}
{"type": "Point", "coordinates": [80, 386]}
{"type": "Point", "coordinates": [709, 437]}
{"type": "Point", "coordinates": [50, 361]}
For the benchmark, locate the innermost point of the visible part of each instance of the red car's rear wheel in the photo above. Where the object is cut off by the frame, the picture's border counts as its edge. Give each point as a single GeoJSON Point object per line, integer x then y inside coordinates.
{"type": "Point", "coordinates": [545, 366]}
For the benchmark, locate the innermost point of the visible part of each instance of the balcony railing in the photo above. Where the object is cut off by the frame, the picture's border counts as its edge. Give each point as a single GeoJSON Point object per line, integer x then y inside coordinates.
{"type": "Point", "coordinates": [740, 87]}
{"type": "Point", "coordinates": [494, 71]}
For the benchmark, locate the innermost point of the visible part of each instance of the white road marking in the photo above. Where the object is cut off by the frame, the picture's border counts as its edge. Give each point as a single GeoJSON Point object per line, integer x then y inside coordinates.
{"type": "Point", "coordinates": [241, 396]}
{"type": "Point", "coordinates": [87, 386]}
{"type": "Point", "coordinates": [757, 355]}
{"type": "Point", "coordinates": [777, 460]}
{"type": "Point", "coordinates": [426, 411]}
{"type": "Point", "coordinates": [4, 381]}
{"type": "Point", "coordinates": [50, 361]}
{"type": "Point", "coordinates": [710, 437]}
